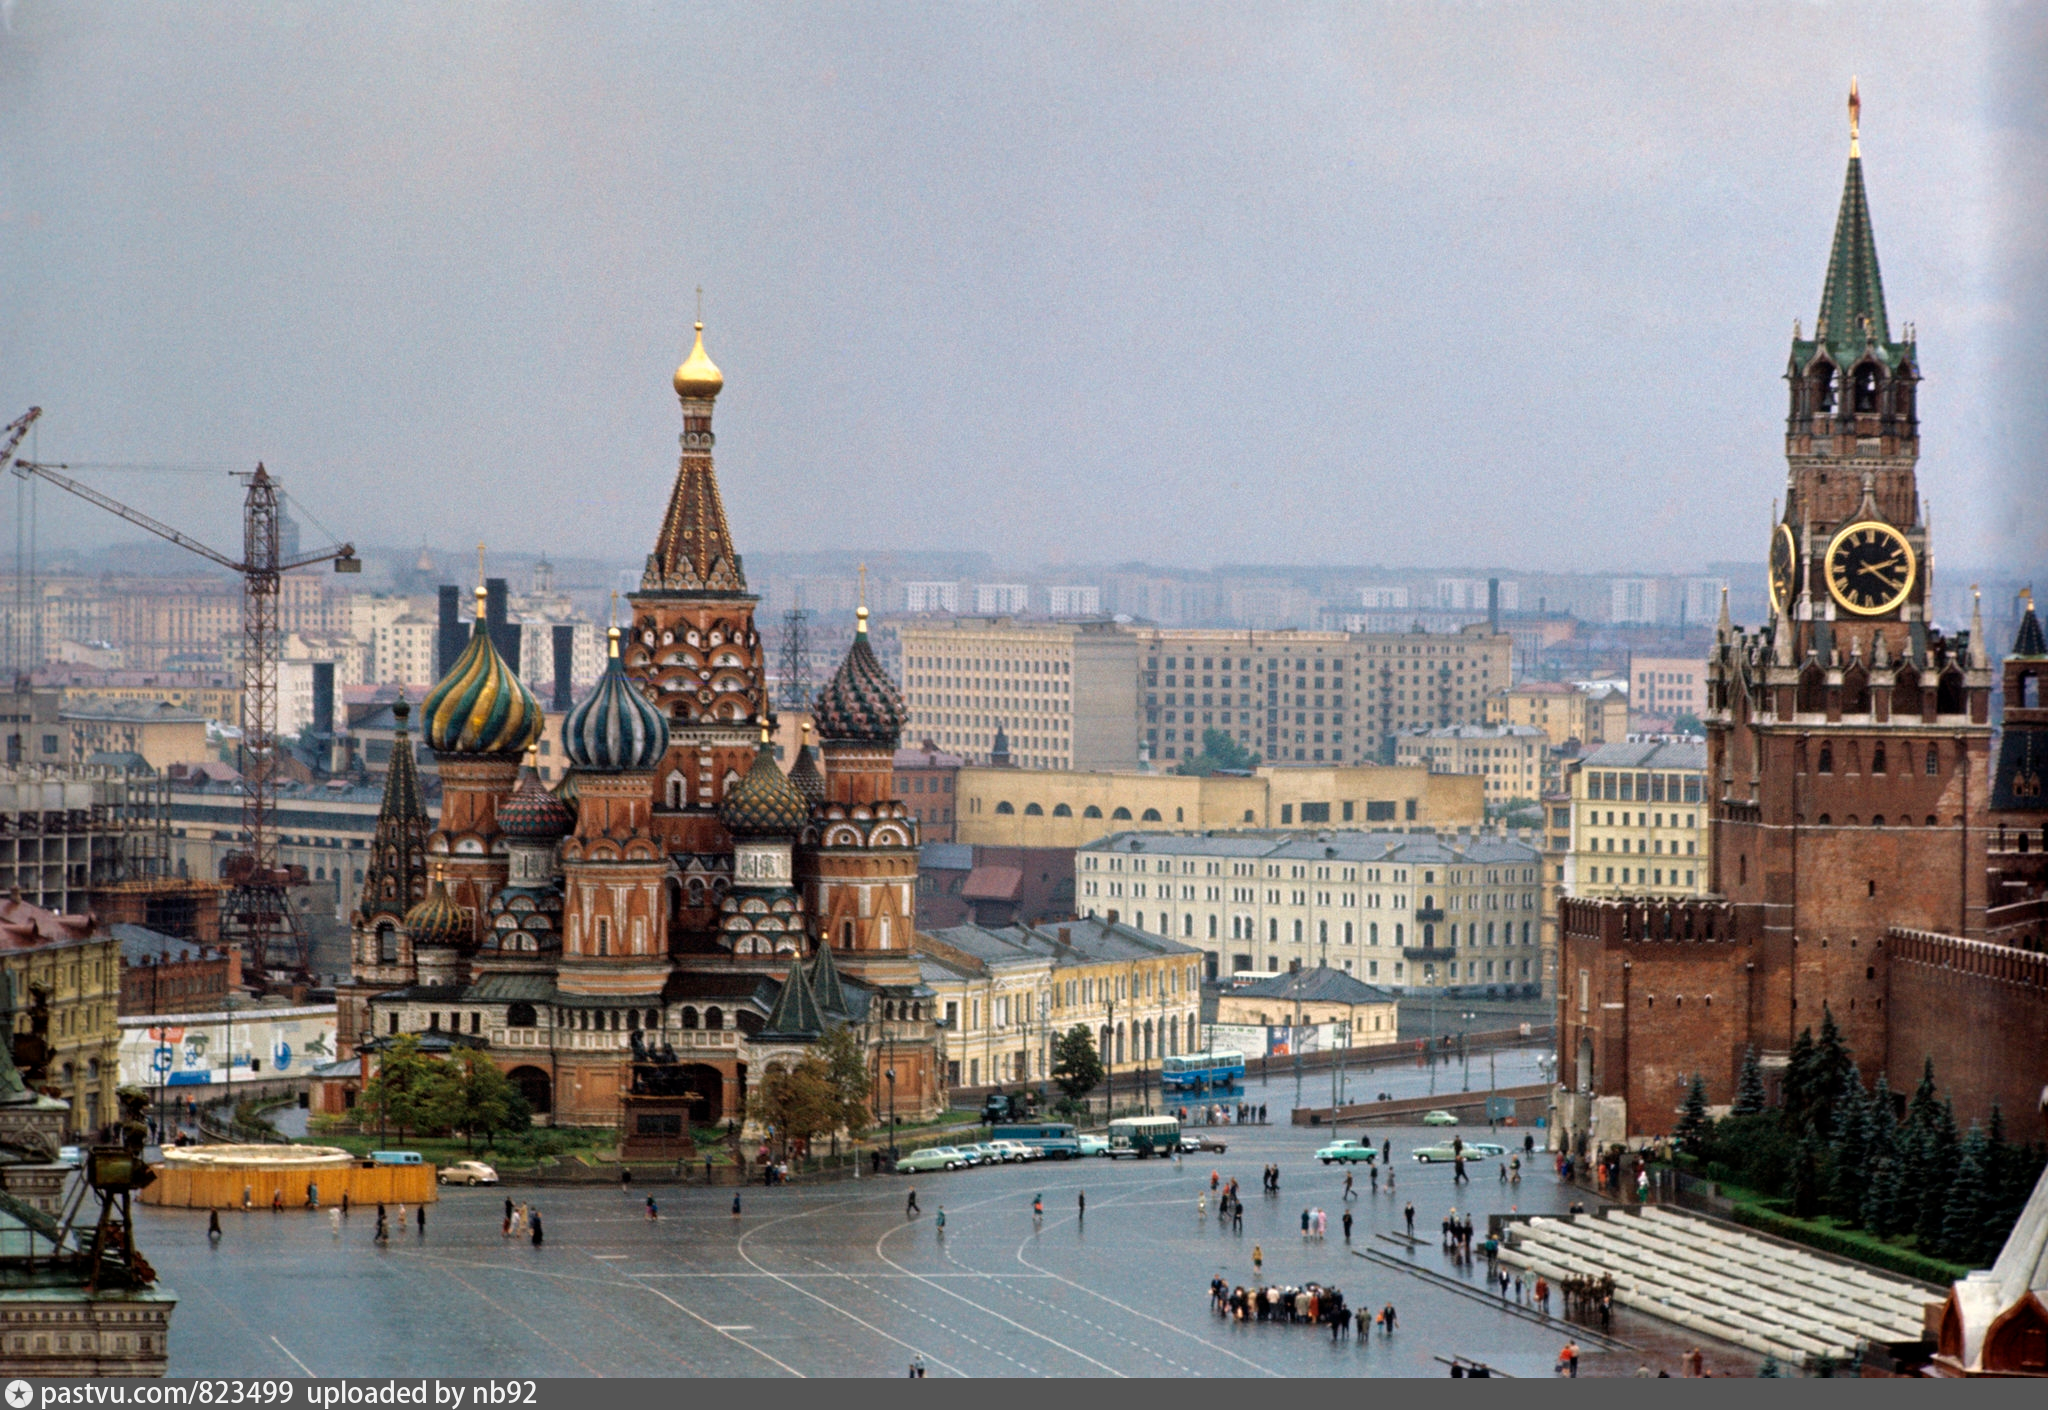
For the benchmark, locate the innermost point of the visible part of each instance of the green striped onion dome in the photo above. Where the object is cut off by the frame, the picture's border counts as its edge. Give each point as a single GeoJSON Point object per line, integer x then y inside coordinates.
{"type": "Point", "coordinates": [480, 706]}
{"type": "Point", "coordinates": [764, 803]}
{"type": "Point", "coordinates": [614, 729]}
{"type": "Point", "coordinates": [437, 920]}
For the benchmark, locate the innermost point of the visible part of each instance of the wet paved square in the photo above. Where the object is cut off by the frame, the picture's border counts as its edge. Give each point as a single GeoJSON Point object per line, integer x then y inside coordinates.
{"type": "Point", "coordinates": [835, 1280]}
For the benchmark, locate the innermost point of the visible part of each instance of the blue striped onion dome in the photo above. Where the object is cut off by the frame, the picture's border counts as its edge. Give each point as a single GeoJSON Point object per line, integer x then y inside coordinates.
{"type": "Point", "coordinates": [437, 920]}
{"type": "Point", "coordinates": [480, 706]}
{"type": "Point", "coordinates": [532, 814]}
{"type": "Point", "coordinates": [614, 729]}
{"type": "Point", "coordinates": [764, 803]}
{"type": "Point", "coordinates": [861, 705]}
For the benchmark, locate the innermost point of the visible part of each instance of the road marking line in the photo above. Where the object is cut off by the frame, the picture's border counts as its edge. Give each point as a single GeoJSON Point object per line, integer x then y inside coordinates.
{"type": "Point", "coordinates": [295, 1360]}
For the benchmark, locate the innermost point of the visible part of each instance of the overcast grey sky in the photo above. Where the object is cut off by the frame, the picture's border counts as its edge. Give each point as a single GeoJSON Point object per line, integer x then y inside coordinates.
{"type": "Point", "coordinates": [1456, 283]}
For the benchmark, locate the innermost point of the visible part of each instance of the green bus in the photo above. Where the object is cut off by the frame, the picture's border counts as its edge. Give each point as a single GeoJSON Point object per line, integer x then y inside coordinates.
{"type": "Point", "coordinates": [1143, 1136]}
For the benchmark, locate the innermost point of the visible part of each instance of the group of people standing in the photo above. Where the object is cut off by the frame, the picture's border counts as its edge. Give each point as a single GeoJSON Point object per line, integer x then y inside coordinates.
{"type": "Point", "coordinates": [525, 1219]}
{"type": "Point", "coordinates": [1222, 1114]}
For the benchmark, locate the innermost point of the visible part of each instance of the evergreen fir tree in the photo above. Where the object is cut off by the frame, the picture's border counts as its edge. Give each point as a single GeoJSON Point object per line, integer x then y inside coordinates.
{"type": "Point", "coordinates": [1749, 1088]}
{"type": "Point", "coordinates": [1848, 1175]}
{"type": "Point", "coordinates": [1695, 1128]}
{"type": "Point", "coordinates": [1939, 1148]}
{"type": "Point", "coordinates": [1964, 1229]}
{"type": "Point", "coordinates": [1833, 1069]}
{"type": "Point", "coordinates": [2005, 1195]}
{"type": "Point", "coordinates": [1770, 1370]}
{"type": "Point", "coordinates": [1881, 1154]}
{"type": "Point", "coordinates": [1806, 1178]}
{"type": "Point", "coordinates": [1798, 1083]}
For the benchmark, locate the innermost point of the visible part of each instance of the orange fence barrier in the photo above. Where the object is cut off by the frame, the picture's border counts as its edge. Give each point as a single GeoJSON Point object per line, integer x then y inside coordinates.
{"type": "Point", "coordinates": [222, 1189]}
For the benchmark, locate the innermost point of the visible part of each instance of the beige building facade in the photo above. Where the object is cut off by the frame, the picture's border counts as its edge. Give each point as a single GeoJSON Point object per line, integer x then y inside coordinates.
{"type": "Point", "coordinates": [162, 733]}
{"type": "Point", "coordinates": [1003, 996]}
{"type": "Point", "coordinates": [1370, 1014]}
{"type": "Point", "coordinates": [1062, 693]}
{"type": "Point", "coordinates": [1639, 821]}
{"type": "Point", "coordinates": [1068, 808]}
{"type": "Point", "coordinates": [1668, 686]}
{"type": "Point", "coordinates": [1564, 712]}
{"type": "Point", "coordinates": [1507, 759]}
{"type": "Point", "coordinates": [1311, 697]}
{"type": "Point", "coordinates": [1411, 911]}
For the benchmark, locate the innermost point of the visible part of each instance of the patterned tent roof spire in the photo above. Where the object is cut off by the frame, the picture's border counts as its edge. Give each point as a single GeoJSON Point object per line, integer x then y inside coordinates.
{"type": "Point", "coordinates": [693, 552]}
{"type": "Point", "coordinates": [2030, 642]}
{"type": "Point", "coordinates": [796, 1015]}
{"type": "Point", "coordinates": [1852, 312]}
{"type": "Point", "coordinates": [396, 878]}
{"type": "Point", "coordinates": [825, 984]}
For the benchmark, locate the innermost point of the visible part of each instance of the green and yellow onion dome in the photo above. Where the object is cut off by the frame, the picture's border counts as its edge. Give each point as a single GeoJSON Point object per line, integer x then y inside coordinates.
{"type": "Point", "coordinates": [480, 706]}
{"type": "Point", "coordinates": [532, 814]}
{"type": "Point", "coordinates": [437, 920]}
{"type": "Point", "coordinates": [614, 729]}
{"type": "Point", "coordinates": [764, 803]}
{"type": "Point", "coordinates": [861, 705]}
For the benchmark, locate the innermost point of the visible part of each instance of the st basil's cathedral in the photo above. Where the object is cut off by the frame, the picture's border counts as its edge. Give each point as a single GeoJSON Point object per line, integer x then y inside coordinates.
{"type": "Point", "coordinates": [679, 913]}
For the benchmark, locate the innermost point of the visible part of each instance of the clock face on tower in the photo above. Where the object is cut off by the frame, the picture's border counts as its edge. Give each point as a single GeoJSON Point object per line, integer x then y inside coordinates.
{"type": "Point", "coordinates": [1784, 567]}
{"type": "Point", "coordinates": [1870, 568]}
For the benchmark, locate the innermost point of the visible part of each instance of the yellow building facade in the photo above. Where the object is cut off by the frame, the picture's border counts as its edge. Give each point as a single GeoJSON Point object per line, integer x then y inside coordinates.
{"type": "Point", "coordinates": [66, 977]}
{"type": "Point", "coordinates": [1563, 712]}
{"type": "Point", "coordinates": [1639, 821]}
{"type": "Point", "coordinates": [1070, 808]}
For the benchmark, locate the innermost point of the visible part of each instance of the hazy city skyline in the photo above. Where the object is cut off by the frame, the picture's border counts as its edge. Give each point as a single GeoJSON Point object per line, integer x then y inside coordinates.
{"type": "Point", "coordinates": [1299, 286]}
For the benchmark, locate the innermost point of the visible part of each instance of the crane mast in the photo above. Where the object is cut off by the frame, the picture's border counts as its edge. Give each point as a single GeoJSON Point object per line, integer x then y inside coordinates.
{"type": "Point", "coordinates": [255, 911]}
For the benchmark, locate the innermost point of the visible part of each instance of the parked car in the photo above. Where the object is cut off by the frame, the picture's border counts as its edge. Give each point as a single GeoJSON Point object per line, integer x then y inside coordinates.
{"type": "Point", "coordinates": [1093, 1145]}
{"type": "Point", "coordinates": [1205, 1141]}
{"type": "Point", "coordinates": [1484, 1148]}
{"type": "Point", "coordinates": [1348, 1151]}
{"type": "Point", "coordinates": [467, 1172]}
{"type": "Point", "coordinates": [1444, 1154]}
{"type": "Point", "coordinates": [931, 1158]}
{"type": "Point", "coordinates": [1439, 1118]}
{"type": "Point", "coordinates": [984, 1153]}
{"type": "Point", "coordinates": [1017, 1151]}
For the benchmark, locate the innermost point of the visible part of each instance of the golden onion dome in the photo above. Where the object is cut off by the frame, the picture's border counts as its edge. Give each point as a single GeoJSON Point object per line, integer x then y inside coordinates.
{"type": "Point", "coordinates": [699, 378]}
{"type": "Point", "coordinates": [437, 920]}
{"type": "Point", "coordinates": [480, 706]}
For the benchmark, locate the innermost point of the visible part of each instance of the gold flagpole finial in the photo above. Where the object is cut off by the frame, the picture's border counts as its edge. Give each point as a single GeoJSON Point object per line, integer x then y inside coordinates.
{"type": "Point", "coordinates": [1855, 119]}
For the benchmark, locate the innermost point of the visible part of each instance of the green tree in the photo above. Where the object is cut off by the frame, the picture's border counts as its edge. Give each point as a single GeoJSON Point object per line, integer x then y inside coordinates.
{"type": "Point", "coordinates": [846, 1063]}
{"type": "Point", "coordinates": [1831, 1072]}
{"type": "Point", "coordinates": [1076, 1066]}
{"type": "Point", "coordinates": [1688, 723]}
{"type": "Point", "coordinates": [798, 1101]}
{"type": "Point", "coordinates": [476, 1098]}
{"type": "Point", "coordinates": [1806, 1178]}
{"type": "Point", "coordinates": [1695, 1127]}
{"type": "Point", "coordinates": [1796, 1087]}
{"type": "Point", "coordinates": [1941, 1152]}
{"type": "Point", "coordinates": [1964, 1231]}
{"type": "Point", "coordinates": [1219, 751]}
{"type": "Point", "coordinates": [408, 1091]}
{"type": "Point", "coordinates": [1749, 1088]}
{"type": "Point", "coordinates": [1882, 1210]}
{"type": "Point", "coordinates": [1848, 1174]}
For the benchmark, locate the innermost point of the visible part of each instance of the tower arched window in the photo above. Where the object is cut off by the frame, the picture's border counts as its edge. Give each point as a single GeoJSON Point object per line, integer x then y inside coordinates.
{"type": "Point", "coordinates": [1824, 388]}
{"type": "Point", "coordinates": [676, 794]}
{"type": "Point", "coordinates": [1827, 757]}
{"type": "Point", "coordinates": [846, 935]}
{"type": "Point", "coordinates": [1864, 396]}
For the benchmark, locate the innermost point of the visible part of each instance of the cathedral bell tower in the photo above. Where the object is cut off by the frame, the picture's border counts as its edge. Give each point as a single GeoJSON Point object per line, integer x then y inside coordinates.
{"type": "Point", "coordinates": [1850, 559]}
{"type": "Point", "coordinates": [692, 645]}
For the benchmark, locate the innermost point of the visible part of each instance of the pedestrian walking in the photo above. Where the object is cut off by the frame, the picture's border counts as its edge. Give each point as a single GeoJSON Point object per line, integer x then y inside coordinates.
{"type": "Point", "coordinates": [334, 1221]}
{"type": "Point", "coordinates": [625, 1179]}
{"type": "Point", "coordinates": [277, 1201]}
{"type": "Point", "coordinates": [909, 1206]}
{"type": "Point", "coordinates": [538, 1236]}
{"type": "Point", "coordinates": [344, 1204]}
{"type": "Point", "coordinates": [383, 1234]}
{"type": "Point", "coordinates": [1386, 1151]}
{"type": "Point", "coordinates": [1038, 1208]}
{"type": "Point", "coordinates": [939, 1221]}
{"type": "Point", "coordinates": [1237, 1216]}
{"type": "Point", "coordinates": [1212, 1179]}
{"type": "Point", "coordinates": [1409, 1215]}
{"type": "Point", "coordinates": [248, 1199]}
{"type": "Point", "coordinates": [1350, 1192]}
{"type": "Point", "coordinates": [508, 1211]}
{"type": "Point", "coordinates": [1304, 1223]}
{"type": "Point", "coordinates": [1081, 1204]}
{"type": "Point", "coordinates": [1374, 1171]}
{"type": "Point", "coordinates": [735, 1204]}
{"type": "Point", "coordinates": [1347, 1226]}
{"type": "Point", "coordinates": [213, 1226]}
{"type": "Point", "coordinates": [1258, 1260]}
{"type": "Point", "coordinates": [421, 1215]}
{"type": "Point", "coordinates": [1202, 1207]}
{"type": "Point", "coordinates": [312, 1194]}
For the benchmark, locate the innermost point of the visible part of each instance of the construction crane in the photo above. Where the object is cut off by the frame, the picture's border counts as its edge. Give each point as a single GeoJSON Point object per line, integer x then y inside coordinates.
{"type": "Point", "coordinates": [255, 911]}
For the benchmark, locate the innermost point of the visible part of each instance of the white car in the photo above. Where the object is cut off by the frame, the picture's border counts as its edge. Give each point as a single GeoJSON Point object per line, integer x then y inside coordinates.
{"type": "Point", "coordinates": [1014, 1152]}
{"type": "Point", "coordinates": [1093, 1145]}
{"type": "Point", "coordinates": [467, 1172]}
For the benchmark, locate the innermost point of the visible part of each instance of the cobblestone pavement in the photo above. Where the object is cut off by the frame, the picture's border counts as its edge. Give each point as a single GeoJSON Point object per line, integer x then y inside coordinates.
{"type": "Point", "coordinates": [835, 1280]}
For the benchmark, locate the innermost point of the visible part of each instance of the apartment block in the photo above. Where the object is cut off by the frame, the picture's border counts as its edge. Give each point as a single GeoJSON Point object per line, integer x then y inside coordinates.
{"type": "Point", "coordinates": [1564, 712]}
{"type": "Point", "coordinates": [1073, 600]}
{"type": "Point", "coordinates": [1063, 694]}
{"type": "Point", "coordinates": [1639, 821]}
{"type": "Point", "coordinates": [1667, 686]}
{"type": "Point", "coordinates": [1507, 759]}
{"type": "Point", "coordinates": [931, 597]}
{"type": "Point", "coordinates": [1408, 911]}
{"type": "Point", "coordinates": [1002, 599]}
{"type": "Point", "coordinates": [1312, 697]}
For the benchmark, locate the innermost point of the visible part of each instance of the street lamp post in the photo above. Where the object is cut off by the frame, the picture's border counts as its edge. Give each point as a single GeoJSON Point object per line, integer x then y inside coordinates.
{"type": "Point", "coordinates": [1109, 1062]}
{"type": "Point", "coordinates": [890, 1073]}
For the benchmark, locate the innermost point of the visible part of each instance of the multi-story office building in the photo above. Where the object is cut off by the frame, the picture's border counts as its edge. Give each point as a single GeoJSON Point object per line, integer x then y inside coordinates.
{"type": "Point", "coordinates": [1639, 821]}
{"type": "Point", "coordinates": [1063, 693]}
{"type": "Point", "coordinates": [1507, 758]}
{"type": "Point", "coordinates": [1411, 911]}
{"type": "Point", "coordinates": [1667, 686]}
{"type": "Point", "coordinates": [1064, 808]}
{"type": "Point", "coordinates": [161, 733]}
{"type": "Point", "coordinates": [1004, 995]}
{"type": "Point", "coordinates": [1312, 697]}
{"type": "Point", "coordinates": [1564, 712]}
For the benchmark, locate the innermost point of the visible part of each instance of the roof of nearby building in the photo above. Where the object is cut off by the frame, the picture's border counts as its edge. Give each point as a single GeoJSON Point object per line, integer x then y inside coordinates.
{"type": "Point", "coordinates": [1346, 846]}
{"type": "Point", "coordinates": [945, 856]}
{"type": "Point", "coordinates": [141, 945]}
{"type": "Point", "coordinates": [2020, 1272]}
{"type": "Point", "coordinates": [924, 757]}
{"type": "Point", "coordinates": [1320, 985]}
{"type": "Point", "coordinates": [1075, 942]}
{"type": "Point", "coordinates": [987, 883]}
{"type": "Point", "coordinates": [1479, 732]}
{"type": "Point", "coordinates": [1645, 754]}
{"type": "Point", "coordinates": [30, 927]}
{"type": "Point", "coordinates": [150, 712]}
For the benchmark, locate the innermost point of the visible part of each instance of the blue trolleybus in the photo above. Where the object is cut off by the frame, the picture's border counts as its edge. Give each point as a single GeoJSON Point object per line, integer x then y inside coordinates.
{"type": "Point", "coordinates": [1192, 1074]}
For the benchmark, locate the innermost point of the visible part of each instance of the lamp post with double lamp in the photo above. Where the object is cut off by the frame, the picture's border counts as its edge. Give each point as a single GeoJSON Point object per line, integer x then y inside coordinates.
{"type": "Point", "coordinates": [1109, 1060]}
{"type": "Point", "coordinates": [1465, 1052]}
{"type": "Point", "coordinates": [890, 1073]}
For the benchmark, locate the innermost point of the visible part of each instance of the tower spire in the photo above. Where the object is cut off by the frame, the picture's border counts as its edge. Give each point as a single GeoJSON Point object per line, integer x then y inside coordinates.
{"type": "Point", "coordinates": [693, 551]}
{"type": "Point", "coordinates": [1852, 300]}
{"type": "Point", "coordinates": [1855, 119]}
